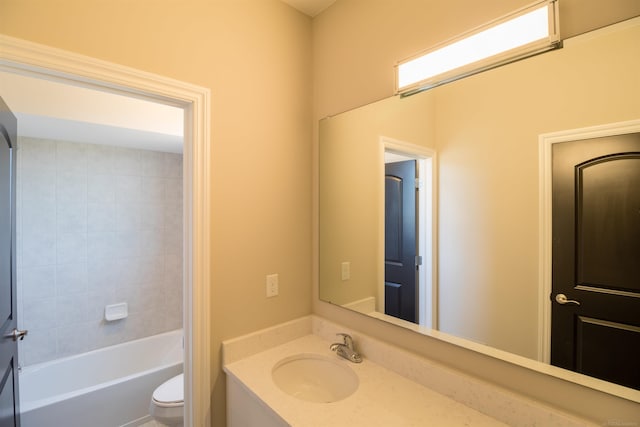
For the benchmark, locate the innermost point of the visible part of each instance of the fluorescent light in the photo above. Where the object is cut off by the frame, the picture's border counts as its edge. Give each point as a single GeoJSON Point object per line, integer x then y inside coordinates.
{"type": "Point", "coordinates": [531, 30]}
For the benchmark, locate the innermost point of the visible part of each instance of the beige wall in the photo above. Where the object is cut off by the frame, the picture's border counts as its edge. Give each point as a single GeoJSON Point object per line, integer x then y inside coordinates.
{"type": "Point", "coordinates": [384, 32]}
{"type": "Point", "coordinates": [254, 56]}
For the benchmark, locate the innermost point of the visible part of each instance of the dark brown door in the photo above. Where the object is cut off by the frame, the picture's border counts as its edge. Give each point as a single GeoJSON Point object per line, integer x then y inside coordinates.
{"type": "Point", "coordinates": [9, 407]}
{"type": "Point", "coordinates": [596, 258]}
{"type": "Point", "coordinates": [400, 240]}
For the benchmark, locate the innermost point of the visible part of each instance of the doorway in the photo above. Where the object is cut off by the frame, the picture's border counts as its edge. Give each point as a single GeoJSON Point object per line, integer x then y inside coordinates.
{"type": "Point", "coordinates": [595, 315]}
{"type": "Point", "coordinates": [591, 244]}
{"type": "Point", "coordinates": [401, 259]}
{"type": "Point", "coordinates": [410, 285]}
{"type": "Point", "coordinates": [27, 58]}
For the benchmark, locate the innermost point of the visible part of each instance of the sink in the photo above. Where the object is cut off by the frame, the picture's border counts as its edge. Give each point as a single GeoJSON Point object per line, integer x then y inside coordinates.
{"type": "Point", "coordinates": [315, 378]}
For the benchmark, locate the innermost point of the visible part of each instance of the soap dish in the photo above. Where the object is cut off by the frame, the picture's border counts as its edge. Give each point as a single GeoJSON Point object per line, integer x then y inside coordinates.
{"type": "Point", "coordinates": [116, 311]}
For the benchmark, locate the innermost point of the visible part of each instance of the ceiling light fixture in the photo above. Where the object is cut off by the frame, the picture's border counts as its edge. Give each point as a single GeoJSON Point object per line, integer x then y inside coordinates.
{"type": "Point", "coordinates": [526, 32]}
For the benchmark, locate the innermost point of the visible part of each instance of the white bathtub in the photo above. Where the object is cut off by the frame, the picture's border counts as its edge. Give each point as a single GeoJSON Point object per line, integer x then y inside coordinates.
{"type": "Point", "coordinates": [109, 387]}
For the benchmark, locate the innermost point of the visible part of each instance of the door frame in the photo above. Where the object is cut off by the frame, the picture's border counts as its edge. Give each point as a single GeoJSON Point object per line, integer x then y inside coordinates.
{"type": "Point", "coordinates": [427, 221]}
{"type": "Point", "coordinates": [546, 142]}
{"type": "Point", "coordinates": [36, 60]}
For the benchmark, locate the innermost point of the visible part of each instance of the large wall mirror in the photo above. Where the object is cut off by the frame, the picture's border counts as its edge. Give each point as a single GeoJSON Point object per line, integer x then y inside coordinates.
{"type": "Point", "coordinates": [475, 147]}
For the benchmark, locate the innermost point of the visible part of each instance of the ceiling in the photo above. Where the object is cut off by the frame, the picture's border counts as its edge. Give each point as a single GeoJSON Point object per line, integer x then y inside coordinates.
{"type": "Point", "coordinates": [310, 7]}
{"type": "Point", "coordinates": [52, 110]}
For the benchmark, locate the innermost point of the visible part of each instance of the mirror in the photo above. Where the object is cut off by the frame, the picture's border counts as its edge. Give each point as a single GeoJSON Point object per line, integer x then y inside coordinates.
{"type": "Point", "coordinates": [482, 135]}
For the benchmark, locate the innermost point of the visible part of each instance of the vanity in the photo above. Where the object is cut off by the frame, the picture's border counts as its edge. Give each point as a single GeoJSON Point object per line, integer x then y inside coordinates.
{"type": "Point", "coordinates": [390, 387]}
{"type": "Point", "coordinates": [484, 262]}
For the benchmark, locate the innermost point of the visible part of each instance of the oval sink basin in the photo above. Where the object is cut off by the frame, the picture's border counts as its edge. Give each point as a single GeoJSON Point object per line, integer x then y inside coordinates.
{"type": "Point", "coordinates": [315, 378]}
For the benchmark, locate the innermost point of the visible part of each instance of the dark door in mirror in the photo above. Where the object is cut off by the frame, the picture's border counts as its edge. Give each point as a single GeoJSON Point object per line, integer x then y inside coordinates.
{"type": "Point", "coordinates": [596, 258]}
{"type": "Point", "coordinates": [400, 240]}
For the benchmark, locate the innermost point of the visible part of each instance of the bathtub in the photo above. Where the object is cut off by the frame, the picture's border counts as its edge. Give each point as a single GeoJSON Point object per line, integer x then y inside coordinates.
{"type": "Point", "coordinates": [109, 387]}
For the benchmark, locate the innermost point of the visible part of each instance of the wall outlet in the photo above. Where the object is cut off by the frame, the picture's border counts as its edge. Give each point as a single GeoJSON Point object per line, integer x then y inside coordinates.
{"type": "Point", "coordinates": [272, 285]}
{"type": "Point", "coordinates": [345, 270]}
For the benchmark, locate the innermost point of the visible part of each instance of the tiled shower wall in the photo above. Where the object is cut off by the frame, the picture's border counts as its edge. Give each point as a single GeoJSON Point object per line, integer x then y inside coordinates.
{"type": "Point", "coordinates": [96, 225]}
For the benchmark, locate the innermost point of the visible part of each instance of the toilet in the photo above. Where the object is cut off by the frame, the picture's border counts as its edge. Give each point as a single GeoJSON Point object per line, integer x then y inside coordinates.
{"type": "Point", "coordinates": [167, 402]}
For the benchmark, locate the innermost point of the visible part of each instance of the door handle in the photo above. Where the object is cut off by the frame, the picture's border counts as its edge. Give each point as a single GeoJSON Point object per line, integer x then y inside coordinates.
{"type": "Point", "coordinates": [17, 334]}
{"type": "Point", "coordinates": [562, 299]}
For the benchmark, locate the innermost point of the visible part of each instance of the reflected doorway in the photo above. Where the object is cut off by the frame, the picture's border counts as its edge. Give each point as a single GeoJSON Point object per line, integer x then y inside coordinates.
{"type": "Point", "coordinates": [409, 290]}
{"type": "Point", "coordinates": [401, 259]}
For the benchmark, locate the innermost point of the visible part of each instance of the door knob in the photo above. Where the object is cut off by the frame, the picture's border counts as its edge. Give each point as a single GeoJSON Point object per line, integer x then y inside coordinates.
{"type": "Point", "coordinates": [17, 334]}
{"type": "Point", "coordinates": [562, 299]}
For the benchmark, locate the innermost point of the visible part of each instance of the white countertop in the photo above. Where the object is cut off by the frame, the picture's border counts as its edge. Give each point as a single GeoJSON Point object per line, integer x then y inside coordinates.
{"type": "Point", "coordinates": [383, 397]}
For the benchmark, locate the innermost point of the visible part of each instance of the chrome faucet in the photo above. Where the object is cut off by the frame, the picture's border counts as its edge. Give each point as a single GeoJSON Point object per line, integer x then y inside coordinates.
{"type": "Point", "coordinates": [346, 349]}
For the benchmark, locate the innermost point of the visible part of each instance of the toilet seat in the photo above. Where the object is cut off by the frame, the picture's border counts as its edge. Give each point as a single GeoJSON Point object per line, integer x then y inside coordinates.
{"type": "Point", "coordinates": [170, 393]}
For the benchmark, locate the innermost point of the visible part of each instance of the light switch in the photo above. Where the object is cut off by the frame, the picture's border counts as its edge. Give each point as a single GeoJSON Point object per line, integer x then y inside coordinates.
{"type": "Point", "coordinates": [272, 285]}
{"type": "Point", "coordinates": [346, 270]}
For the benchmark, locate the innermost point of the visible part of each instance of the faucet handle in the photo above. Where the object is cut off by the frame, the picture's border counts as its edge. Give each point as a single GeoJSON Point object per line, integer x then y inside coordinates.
{"type": "Point", "coordinates": [346, 339]}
